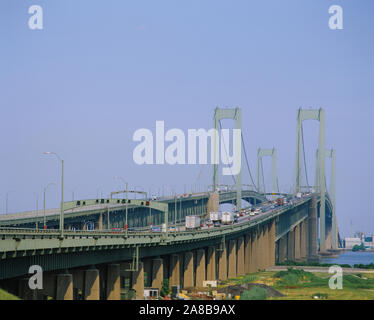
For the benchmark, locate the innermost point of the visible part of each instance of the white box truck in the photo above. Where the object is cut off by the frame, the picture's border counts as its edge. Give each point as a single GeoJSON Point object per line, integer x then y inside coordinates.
{"type": "Point", "coordinates": [227, 218]}
{"type": "Point", "coordinates": [192, 222]}
{"type": "Point", "coordinates": [215, 216]}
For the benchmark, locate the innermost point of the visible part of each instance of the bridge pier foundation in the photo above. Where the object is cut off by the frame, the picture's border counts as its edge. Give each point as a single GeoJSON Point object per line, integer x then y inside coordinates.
{"type": "Point", "coordinates": [282, 248]}
{"type": "Point", "coordinates": [297, 243]}
{"type": "Point", "coordinates": [64, 287]}
{"type": "Point", "coordinates": [247, 253]}
{"type": "Point", "coordinates": [222, 262]}
{"type": "Point", "coordinates": [240, 257]}
{"type": "Point", "coordinates": [148, 272]}
{"type": "Point", "coordinates": [211, 273]}
{"type": "Point", "coordinates": [113, 285]}
{"type": "Point", "coordinates": [24, 291]}
{"type": "Point", "coordinates": [174, 270]}
{"type": "Point", "coordinates": [200, 267]}
{"type": "Point", "coordinates": [253, 260]}
{"type": "Point", "coordinates": [232, 259]}
{"type": "Point", "coordinates": [138, 281]}
{"type": "Point", "coordinates": [272, 243]}
{"type": "Point", "coordinates": [304, 239]}
{"type": "Point", "coordinates": [157, 273]}
{"type": "Point", "coordinates": [291, 245]}
{"type": "Point", "coordinates": [188, 274]}
{"type": "Point", "coordinates": [91, 284]}
{"type": "Point", "coordinates": [312, 230]}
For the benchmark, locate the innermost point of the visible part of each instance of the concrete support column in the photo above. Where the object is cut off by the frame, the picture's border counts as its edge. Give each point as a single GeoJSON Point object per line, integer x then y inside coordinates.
{"type": "Point", "coordinates": [64, 287]}
{"type": "Point", "coordinates": [297, 243]}
{"type": "Point", "coordinates": [211, 273]}
{"type": "Point", "coordinates": [291, 245]}
{"type": "Point", "coordinates": [253, 261]}
{"type": "Point", "coordinates": [200, 267]}
{"type": "Point", "coordinates": [157, 273]}
{"type": "Point", "coordinates": [222, 263]}
{"type": "Point", "coordinates": [260, 249]}
{"type": "Point", "coordinates": [232, 259]}
{"type": "Point", "coordinates": [328, 237]}
{"type": "Point", "coordinates": [188, 275]}
{"type": "Point", "coordinates": [113, 285]}
{"type": "Point", "coordinates": [240, 257]}
{"type": "Point", "coordinates": [247, 254]}
{"type": "Point", "coordinates": [312, 230]}
{"type": "Point", "coordinates": [91, 285]}
{"type": "Point", "coordinates": [174, 270]}
{"type": "Point", "coordinates": [272, 243]}
{"type": "Point", "coordinates": [282, 247]}
{"type": "Point", "coordinates": [148, 272]}
{"type": "Point", "coordinates": [24, 291]}
{"type": "Point", "coordinates": [138, 281]}
{"type": "Point", "coordinates": [303, 240]}
{"type": "Point", "coordinates": [265, 247]}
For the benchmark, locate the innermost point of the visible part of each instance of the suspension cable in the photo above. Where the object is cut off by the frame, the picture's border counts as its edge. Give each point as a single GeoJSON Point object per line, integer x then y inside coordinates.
{"type": "Point", "coordinates": [263, 177]}
{"type": "Point", "coordinates": [246, 160]}
{"type": "Point", "coordinates": [224, 145]}
{"type": "Point", "coordinates": [306, 172]}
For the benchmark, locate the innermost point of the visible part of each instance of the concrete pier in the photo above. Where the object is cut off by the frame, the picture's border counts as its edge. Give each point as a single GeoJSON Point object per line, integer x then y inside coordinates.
{"type": "Point", "coordinates": [200, 268]}
{"type": "Point", "coordinates": [231, 259]}
{"type": "Point", "coordinates": [211, 273]}
{"type": "Point", "coordinates": [240, 257]}
{"type": "Point", "coordinates": [138, 281]}
{"type": "Point", "coordinates": [188, 274]}
{"type": "Point", "coordinates": [157, 273]}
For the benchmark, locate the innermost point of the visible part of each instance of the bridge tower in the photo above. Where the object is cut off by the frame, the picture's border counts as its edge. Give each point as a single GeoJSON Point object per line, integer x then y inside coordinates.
{"type": "Point", "coordinates": [263, 153]}
{"type": "Point", "coordinates": [234, 114]}
{"type": "Point", "coordinates": [330, 153]}
{"type": "Point", "coordinates": [318, 115]}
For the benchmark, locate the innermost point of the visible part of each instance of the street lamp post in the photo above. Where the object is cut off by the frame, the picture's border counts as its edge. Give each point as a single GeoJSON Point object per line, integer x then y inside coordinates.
{"type": "Point", "coordinates": [62, 193]}
{"type": "Point", "coordinates": [44, 191]}
{"type": "Point", "coordinates": [126, 184]}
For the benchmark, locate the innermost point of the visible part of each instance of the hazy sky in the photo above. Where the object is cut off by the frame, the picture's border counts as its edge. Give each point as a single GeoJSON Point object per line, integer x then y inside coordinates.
{"type": "Point", "coordinates": [99, 70]}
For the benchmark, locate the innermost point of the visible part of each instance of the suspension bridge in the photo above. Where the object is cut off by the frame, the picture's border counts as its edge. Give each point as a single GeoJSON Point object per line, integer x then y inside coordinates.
{"type": "Point", "coordinates": [90, 248]}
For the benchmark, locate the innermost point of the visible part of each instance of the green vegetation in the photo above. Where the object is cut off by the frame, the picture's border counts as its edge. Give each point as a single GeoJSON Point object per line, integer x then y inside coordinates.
{"type": "Point", "coordinates": [165, 290]}
{"type": "Point", "coordinates": [311, 264]}
{"type": "Point", "coordinates": [256, 293]}
{"type": "Point", "coordinates": [7, 296]}
{"type": "Point", "coordinates": [364, 266]}
{"type": "Point", "coordinates": [247, 279]}
{"type": "Point", "coordinates": [294, 278]}
{"type": "Point", "coordinates": [357, 247]}
{"type": "Point", "coordinates": [129, 295]}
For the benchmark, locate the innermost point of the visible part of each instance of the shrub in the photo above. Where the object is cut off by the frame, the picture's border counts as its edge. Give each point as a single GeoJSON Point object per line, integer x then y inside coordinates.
{"type": "Point", "coordinates": [165, 290]}
{"type": "Point", "coordinates": [256, 293]}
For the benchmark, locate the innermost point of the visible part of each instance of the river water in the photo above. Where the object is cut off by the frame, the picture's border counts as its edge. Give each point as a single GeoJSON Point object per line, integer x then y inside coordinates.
{"type": "Point", "coordinates": [351, 258]}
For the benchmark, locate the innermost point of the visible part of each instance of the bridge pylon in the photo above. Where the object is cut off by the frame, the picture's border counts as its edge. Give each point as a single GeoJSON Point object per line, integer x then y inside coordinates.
{"type": "Point", "coordinates": [263, 153]}
{"type": "Point", "coordinates": [318, 115]}
{"type": "Point", "coordinates": [330, 153]}
{"type": "Point", "coordinates": [234, 114]}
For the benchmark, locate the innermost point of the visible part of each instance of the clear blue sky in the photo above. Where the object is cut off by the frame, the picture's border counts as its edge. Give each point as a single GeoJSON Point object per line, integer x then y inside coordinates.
{"type": "Point", "coordinates": [99, 70]}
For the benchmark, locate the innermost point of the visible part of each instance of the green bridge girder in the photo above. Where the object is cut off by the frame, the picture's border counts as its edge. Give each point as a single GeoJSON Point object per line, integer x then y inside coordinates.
{"type": "Point", "coordinates": [20, 248]}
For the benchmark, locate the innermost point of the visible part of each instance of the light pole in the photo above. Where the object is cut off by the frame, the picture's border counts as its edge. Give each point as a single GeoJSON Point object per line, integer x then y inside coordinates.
{"type": "Point", "coordinates": [126, 184]}
{"type": "Point", "coordinates": [44, 191]}
{"type": "Point", "coordinates": [62, 193]}
{"type": "Point", "coordinates": [37, 208]}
